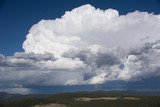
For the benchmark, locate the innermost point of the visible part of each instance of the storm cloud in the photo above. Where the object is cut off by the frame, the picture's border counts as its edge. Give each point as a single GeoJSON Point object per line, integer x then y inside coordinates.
{"type": "Point", "coordinates": [86, 46]}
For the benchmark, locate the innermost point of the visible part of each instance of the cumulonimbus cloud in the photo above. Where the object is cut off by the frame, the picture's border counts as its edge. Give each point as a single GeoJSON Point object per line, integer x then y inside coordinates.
{"type": "Point", "coordinates": [87, 46]}
{"type": "Point", "coordinates": [85, 26]}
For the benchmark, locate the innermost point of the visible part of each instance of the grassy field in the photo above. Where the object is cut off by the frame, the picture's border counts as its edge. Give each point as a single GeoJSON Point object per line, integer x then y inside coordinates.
{"type": "Point", "coordinates": [87, 99]}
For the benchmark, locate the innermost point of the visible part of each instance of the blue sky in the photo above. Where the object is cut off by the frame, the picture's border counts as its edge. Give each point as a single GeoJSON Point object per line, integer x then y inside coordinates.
{"type": "Point", "coordinates": [17, 16]}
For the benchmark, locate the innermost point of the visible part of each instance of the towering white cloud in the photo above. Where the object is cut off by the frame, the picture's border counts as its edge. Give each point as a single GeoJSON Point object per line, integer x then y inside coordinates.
{"type": "Point", "coordinates": [86, 46]}
{"type": "Point", "coordinates": [85, 26]}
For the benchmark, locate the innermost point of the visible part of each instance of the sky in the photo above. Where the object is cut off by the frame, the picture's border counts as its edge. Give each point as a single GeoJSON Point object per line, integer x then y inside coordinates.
{"type": "Point", "coordinates": [79, 45]}
{"type": "Point", "coordinates": [17, 16]}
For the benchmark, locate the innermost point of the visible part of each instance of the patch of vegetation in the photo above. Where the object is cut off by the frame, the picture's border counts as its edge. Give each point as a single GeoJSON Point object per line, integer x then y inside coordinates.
{"type": "Point", "coordinates": [97, 99]}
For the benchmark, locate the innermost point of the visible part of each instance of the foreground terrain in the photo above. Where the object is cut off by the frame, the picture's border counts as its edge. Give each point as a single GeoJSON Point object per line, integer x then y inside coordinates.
{"type": "Point", "coordinates": [50, 105]}
{"type": "Point", "coordinates": [83, 99]}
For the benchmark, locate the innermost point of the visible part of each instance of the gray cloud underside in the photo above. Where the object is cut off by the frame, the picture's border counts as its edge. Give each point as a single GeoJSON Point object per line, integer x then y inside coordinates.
{"type": "Point", "coordinates": [84, 66]}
